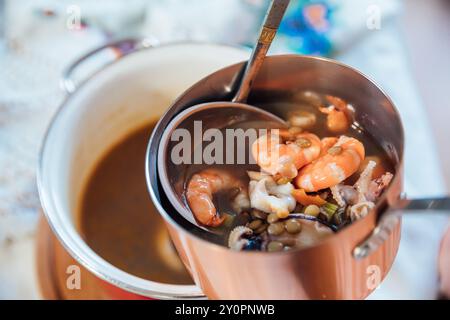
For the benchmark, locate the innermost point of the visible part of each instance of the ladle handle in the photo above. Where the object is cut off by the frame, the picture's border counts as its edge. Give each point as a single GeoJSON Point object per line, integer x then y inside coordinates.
{"type": "Point", "coordinates": [411, 205]}
{"type": "Point", "coordinates": [388, 221]}
{"type": "Point", "coordinates": [268, 31]}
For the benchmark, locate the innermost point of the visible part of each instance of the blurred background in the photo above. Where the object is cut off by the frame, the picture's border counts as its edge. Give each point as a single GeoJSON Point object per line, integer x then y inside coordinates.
{"type": "Point", "coordinates": [402, 45]}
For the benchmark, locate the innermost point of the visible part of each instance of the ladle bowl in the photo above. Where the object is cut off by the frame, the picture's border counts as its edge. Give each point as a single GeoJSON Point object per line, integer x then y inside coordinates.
{"type": "Point", "coordinates": [214, 115]}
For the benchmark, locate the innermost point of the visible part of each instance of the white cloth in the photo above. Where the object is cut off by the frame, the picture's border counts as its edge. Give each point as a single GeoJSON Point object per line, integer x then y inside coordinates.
{"type": "Point", "coordinates": [381, 55]}
{"type": "Point", "coordinates": [30, 70]}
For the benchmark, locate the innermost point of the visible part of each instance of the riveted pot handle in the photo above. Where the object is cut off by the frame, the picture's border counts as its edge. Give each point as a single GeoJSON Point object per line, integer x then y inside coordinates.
{"type": "Point", "coordinates": [388, 221]}
{"type": "Point", "coordinates": [111, 51]}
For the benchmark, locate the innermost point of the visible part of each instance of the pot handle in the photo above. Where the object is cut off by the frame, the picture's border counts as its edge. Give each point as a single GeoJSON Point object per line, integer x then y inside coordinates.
{"type": "Point", "coordinates": [388, 221]}
{"type": "Point", "coordinates": [117, 49]}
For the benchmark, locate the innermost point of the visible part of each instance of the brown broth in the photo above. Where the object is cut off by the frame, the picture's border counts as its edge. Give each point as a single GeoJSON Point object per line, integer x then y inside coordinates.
{"type": "Point", "coordinates": [118, 219]}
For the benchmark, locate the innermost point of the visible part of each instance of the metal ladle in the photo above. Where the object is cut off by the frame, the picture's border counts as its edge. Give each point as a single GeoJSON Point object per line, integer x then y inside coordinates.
{"type": "Point", "coordinates": [225, 111]}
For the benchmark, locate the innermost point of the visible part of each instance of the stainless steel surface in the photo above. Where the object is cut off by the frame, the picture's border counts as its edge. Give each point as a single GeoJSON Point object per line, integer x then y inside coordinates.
{"type": "Point", "coordinates": [267, 34]}
{"type": "Point", "coordinates": [327, 270]}
{"type": "Point", "coordinates": [411, 205]}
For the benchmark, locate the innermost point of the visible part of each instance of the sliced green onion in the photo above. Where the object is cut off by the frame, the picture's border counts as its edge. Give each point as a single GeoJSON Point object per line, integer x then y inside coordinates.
{"type": "Point", "coordinates": [329, 209]}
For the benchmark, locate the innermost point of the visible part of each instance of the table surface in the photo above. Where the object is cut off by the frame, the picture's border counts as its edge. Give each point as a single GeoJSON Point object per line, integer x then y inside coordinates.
{"type": "Point", "coordinates": [29, 75]}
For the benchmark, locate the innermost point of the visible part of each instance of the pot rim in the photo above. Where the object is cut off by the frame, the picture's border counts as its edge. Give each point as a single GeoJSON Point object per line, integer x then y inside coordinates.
{"type": "Point", "coordinates": [69, 237]}
{"type": "Point", "coordinates": [378, 206]}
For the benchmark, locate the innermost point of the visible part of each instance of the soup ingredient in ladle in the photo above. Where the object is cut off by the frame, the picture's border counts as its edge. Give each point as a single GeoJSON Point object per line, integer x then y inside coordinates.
{"type": "Point", "coordinates": [201, 189]}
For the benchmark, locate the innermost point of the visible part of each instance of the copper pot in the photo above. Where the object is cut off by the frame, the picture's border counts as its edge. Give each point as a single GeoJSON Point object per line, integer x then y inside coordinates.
{"type": "Point", "coordinates": [347, 265]}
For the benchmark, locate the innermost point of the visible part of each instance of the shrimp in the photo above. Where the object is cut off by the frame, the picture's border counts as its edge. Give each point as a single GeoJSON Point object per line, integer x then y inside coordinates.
{"type": "Point", "coordinates": [337, 114]}
{"type": "Point", "coordinates": [201, 188]}
{"type": "Point", "coordinates": [278, 158]}
{"type": "Point", "coordinates": [326, 143]}
{"type": "Point", "coordinates": [340, 162]}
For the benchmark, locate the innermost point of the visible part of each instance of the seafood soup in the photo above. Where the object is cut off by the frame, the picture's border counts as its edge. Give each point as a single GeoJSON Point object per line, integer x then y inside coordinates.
{"type": "Point", "coordinates": [307, 181]}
